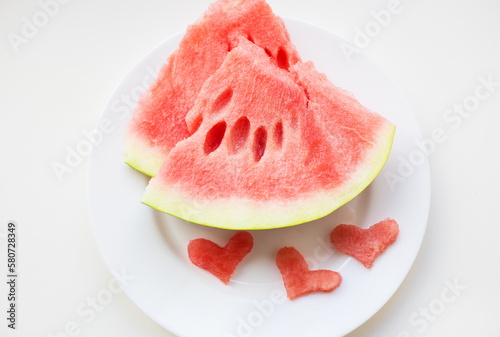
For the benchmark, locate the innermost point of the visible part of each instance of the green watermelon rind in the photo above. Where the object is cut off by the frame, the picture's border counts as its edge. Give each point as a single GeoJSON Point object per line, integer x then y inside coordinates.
{"type": "Point", "coordinates": [239, 214]}
{"type": "Point", "coordinates": [145, 159]}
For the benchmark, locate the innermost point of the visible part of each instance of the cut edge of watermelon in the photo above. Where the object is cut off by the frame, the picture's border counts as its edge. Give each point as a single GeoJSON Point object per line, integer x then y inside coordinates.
{"type": "Point", "coordinates": [239, 214]}
{"type": "Point", "coordinates": [145, 159]}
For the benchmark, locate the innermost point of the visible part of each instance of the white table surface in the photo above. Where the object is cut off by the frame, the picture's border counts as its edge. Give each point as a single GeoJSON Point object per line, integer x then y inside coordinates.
{"type": "Point", "coordinates": [56, 79]}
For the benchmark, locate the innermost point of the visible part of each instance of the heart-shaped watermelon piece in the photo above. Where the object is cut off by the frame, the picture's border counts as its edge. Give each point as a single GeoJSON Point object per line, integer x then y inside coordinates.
{"type": "Point", "coordinates": [220, 261]}
{"type": "Point", "coordinates": [365, 245]}
{"type": "Point", "coordinates": [297, 277]}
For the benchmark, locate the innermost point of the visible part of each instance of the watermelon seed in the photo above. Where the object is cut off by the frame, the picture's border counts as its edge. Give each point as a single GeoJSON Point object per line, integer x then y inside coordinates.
{"type": "Point", "coordinates": [222, 100]}
{"type": "Point", "coordinates": [214, 137]}
{"type": "Point", "coordinates": [278, 134]}
{"type": "Point", "coordinates": [239, 134]}
{"type": "Point", "coordinates": [282, 59]}
{"type": "Point", "coordinates": [259, 143]}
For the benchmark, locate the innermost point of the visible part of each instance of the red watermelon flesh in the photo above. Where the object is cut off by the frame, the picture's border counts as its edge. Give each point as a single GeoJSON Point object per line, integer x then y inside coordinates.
{"type": "Point", "coordinates": [273, 148]}
{"type": "Point", "coordinates": [220, 261]}
{"type": "Point", "coordinates": [348, 124]}
{"type": "Point", "coordinates": [365, 245]}
{"type": "Point", "coordinates": [158, 122]}
{"type": "Point", "coordinates": [297, 277]}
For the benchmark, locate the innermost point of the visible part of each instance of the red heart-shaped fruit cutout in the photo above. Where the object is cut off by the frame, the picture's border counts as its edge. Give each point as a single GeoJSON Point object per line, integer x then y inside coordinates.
{"type": "Point", "coordinates": [220, 261]}
{"type": "Point", "coordinates": [297, 277]}
{"type": "Point", "coordinates": [365, 244]}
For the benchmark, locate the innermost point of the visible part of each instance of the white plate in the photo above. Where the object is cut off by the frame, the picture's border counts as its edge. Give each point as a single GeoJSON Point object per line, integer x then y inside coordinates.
{"type": "Point", "coordinates": [152, 246]}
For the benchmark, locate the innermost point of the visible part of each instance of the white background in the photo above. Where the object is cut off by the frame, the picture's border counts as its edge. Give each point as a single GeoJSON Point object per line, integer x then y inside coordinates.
{"type": "Point", "coordinates": [54, 87]}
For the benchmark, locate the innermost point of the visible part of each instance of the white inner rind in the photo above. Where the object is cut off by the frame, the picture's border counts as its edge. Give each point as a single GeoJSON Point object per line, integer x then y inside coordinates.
{"type": "Point", "coordinates": [145, 159]}
{"type": "Point", "coordinates": [241, 214]}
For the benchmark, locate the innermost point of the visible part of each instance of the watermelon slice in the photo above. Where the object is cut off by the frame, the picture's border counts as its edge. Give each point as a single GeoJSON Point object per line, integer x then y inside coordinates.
{"type": "Point", "coordinates": [220, 261]}
{"type": "Point", "coordinates": [297, 277]}
{"type": "Point", "coordinates": [271, 148]}
{"type": "Point", "coordinates": [365, 245]}
{"type": "Point", "coordinates": [158, 122]}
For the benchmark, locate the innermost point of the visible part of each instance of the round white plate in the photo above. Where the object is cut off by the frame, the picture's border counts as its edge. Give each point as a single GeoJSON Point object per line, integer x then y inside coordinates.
{"type": "Point", "coordinates": [151, 247]}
